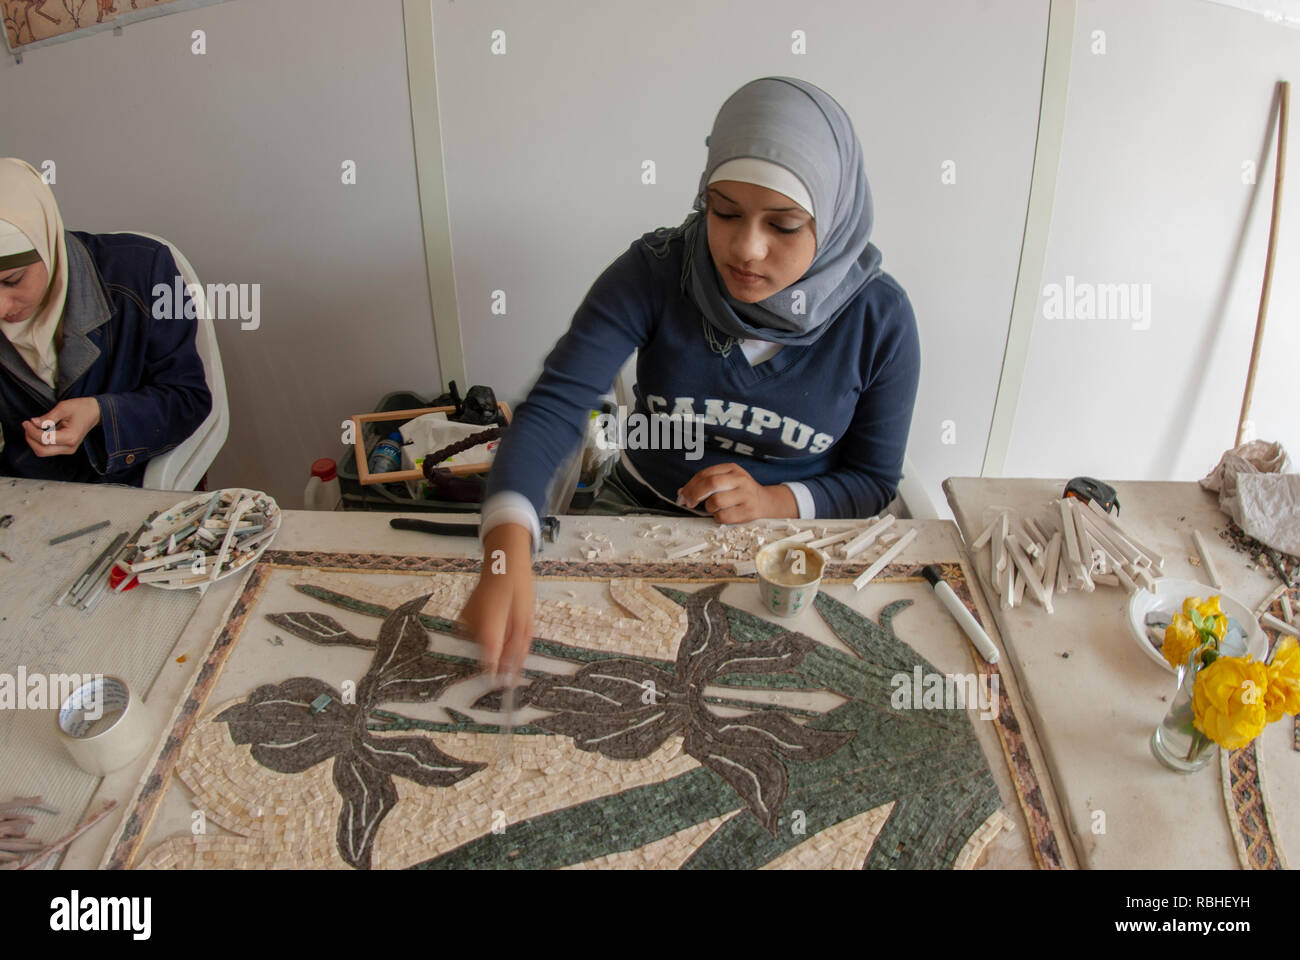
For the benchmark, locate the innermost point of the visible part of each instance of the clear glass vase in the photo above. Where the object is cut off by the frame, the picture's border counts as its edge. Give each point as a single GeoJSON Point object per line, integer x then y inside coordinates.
{"type": "Point", "coordinates": [1176, 742]}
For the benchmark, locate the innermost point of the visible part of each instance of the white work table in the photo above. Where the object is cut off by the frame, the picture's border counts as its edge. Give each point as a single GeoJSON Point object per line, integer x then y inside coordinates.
{"type": "Point", "coordinates": [44, 510]}
{"type": "Point", "coordinates": [1095, 697]}
{"type": "Point", "coordinates": [36, 574]}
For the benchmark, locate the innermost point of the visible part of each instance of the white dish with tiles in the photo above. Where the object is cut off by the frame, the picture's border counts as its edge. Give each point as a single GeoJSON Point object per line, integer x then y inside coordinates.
{"type": "Point", "coordinates": [218, 559]}
{"type": "Point", "coordinates": [1168, 599]}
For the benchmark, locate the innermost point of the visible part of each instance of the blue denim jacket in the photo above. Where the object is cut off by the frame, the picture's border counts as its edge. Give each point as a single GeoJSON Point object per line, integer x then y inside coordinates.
{"type": "Point", "coordinates": [145, 373]}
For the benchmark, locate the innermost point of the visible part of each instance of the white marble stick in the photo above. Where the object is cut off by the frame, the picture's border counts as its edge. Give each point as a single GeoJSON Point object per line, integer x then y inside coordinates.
{"type": "Point", "coordinates": [1115, 545]}
{"type": "Point", "coordinates": [1027, 573]}
{"type": "Point", "coordinates": [1156, 559]}
{"type": "Point", "coordinates": [1051, 564]}
{"type": "Point", "coordinates": [833, 538]}
{"type": "Point", "coordinates": [244, 504]}
{"type": "Point", "coordinates": [1206, 562]}
{"type": "Point", "coordinates": [884, 559]}
{"type": "Point", "coordinates": [867, 537]}
{"type": "Point", "coordinates": [686, 551]}
{"type": "Point", "coordinates": [1077, 519]}
{"type": "Point", "coordinates": [987, 535]}
{"type": "Point", "coordinates": [1062, 569]}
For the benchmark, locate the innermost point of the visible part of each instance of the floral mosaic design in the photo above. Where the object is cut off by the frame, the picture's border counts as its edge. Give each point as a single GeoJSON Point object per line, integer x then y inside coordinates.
{"type": "Point", "coordinates": [626, 708]}
{"type": "Point", "coordinates": [769, 776]}
{"type": "Point", "coordinates": [291, 730]}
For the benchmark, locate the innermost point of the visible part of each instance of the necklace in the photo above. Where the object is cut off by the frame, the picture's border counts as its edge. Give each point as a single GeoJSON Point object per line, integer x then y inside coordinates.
{"type": "Point", "coordinates": [723, 349]}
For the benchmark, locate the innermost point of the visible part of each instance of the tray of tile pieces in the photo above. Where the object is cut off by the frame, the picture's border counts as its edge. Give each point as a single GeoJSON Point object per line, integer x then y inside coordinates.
{"type": "Point", "coordinates": [203, 539]}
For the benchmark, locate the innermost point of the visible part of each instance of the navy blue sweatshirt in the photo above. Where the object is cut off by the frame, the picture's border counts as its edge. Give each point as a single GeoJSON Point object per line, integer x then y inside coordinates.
{"type": "Point", "coordinates": [833, 414]}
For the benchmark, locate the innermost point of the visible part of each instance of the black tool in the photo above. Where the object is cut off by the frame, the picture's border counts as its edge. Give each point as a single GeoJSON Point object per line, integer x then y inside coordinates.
{"type": "Point", "coordinates": [550, 527]}
{"type": "Point", "coordinates": [480, 407]}
{"type": "Point", "coordinates": [1086, 488]}
{"type": "Point", "coordinates": [449, 399]}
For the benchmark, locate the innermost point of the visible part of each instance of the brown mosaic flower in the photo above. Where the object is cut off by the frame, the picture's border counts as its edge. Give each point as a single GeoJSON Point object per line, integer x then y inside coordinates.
{"type": "Point", "coordinates": [288, 735]}
{"type": "Point", "coordinates": [626, 709]}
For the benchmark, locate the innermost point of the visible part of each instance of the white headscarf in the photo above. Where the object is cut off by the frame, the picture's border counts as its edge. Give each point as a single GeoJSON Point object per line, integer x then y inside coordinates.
{"type": "Point", "coordinates": [27, 208]}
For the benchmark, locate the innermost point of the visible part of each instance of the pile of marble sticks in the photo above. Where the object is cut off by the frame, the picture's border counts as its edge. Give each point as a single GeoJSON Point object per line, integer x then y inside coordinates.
{"type": "Point", "coordinates": [198, 541]}
{"type": "Point", "coordinates": [743, 541]}
{"type": "Point", "coordinates": [1078, 546]}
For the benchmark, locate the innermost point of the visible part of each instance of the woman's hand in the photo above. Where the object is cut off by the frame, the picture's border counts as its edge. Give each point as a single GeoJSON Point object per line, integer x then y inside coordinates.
{"type": "Point", "coordinates": [62, 430]}
{"type": "Point", "coordinates": [731, 495]}
{"type": "Point", "coordinates": [499, 613]}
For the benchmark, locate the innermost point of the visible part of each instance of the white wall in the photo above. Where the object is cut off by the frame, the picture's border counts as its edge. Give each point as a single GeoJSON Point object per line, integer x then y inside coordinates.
{"type": "Point", "coordinates": [544, 147]}
{"type": "Point", "coordinates": [235, 157]}
{"type": "Point", "coordinates": [1150, 192]}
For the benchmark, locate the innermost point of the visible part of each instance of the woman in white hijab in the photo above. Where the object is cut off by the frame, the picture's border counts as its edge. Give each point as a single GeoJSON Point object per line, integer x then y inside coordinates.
{"type": "Point", "coordinates": [91, 385]}
{"type": "Point", "coordinates": [34, 276]}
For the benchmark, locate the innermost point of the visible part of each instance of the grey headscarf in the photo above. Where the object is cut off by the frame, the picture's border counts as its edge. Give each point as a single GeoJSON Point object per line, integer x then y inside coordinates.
{"type": "Point", "coordinates": [799, 126]}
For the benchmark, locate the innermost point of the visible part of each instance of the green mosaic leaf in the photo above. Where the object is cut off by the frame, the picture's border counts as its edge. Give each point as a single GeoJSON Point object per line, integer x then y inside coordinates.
{"type": "Point", "coordinates": [876, 643]}
{"type": "Point", "coordinates": [608, 824]}
{"type": "Point", "coordinates": [928, 762]}
{"type": "Point", "coordinates": [342, 600]}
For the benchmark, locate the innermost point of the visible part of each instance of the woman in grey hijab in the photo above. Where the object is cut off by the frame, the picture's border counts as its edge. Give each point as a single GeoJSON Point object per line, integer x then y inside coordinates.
{"type": "Point", "coordinates": [780, 132]}
{"type": "Point", "coordinates": [764, 320]}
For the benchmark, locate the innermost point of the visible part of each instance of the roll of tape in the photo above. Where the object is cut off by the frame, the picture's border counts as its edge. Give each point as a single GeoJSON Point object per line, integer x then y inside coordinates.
{"type": "Point", "coordinates": [103, 726]}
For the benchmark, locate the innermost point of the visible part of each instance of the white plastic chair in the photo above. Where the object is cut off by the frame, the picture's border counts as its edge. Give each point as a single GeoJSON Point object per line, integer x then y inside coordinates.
{"type": "Point", "coordinates": [911, 491]}
{"type": "Point", "coordinates": [182, 467]}
{"type": "Point", "coordinates": [915, 502]}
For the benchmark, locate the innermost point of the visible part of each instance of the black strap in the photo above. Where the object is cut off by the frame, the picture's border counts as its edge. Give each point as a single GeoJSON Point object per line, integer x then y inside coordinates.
{"type": "Point", "coordinates": [434, 526]}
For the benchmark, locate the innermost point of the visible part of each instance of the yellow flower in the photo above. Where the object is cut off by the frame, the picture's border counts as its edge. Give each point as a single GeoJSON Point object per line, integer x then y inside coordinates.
{"type": "Point", "coordinates": [1228, 701]}
{"type": "Point", "coordinates": [1208, 609]}
{"type": "Point", "coordinates": [1181, 638]}
{"type": "Point", "coordinates": [1283, 694]}
{"type": "Point", "coordinates": [1211, 608]}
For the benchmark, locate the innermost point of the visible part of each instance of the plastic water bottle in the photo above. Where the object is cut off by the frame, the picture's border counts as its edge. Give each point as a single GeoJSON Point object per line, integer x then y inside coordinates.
{"type": "Point", "coordinates": [323, 491]}
{"type": "Point", "coordinates": [387, 455]}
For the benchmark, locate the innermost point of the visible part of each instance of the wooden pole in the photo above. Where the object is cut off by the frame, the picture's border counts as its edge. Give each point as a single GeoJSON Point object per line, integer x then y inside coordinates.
{"type": "Point", "coordinates": [1284, 107]}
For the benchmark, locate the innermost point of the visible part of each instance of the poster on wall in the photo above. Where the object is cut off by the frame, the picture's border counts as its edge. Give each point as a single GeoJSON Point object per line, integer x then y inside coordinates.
{"type": "Point", "coordinates": [37, 23]}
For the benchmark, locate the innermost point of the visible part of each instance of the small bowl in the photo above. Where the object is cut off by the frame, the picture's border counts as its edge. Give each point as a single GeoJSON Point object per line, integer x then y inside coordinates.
{"type": "Point", "coordinates": [788, 595]}
{"type": "Point", "coordinates": [1169, 597]}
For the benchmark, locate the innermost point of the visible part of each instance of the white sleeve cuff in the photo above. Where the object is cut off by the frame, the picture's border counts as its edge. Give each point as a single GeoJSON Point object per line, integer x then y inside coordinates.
{"type": "Point", "coordinates": [509, 507]}
{"type": "Point", "coordinates": [803, 497]}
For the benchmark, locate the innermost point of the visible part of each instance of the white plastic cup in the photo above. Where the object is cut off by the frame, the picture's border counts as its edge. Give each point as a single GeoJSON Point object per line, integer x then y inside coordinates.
{"type": "Point", "coordinates": [784, 592]}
